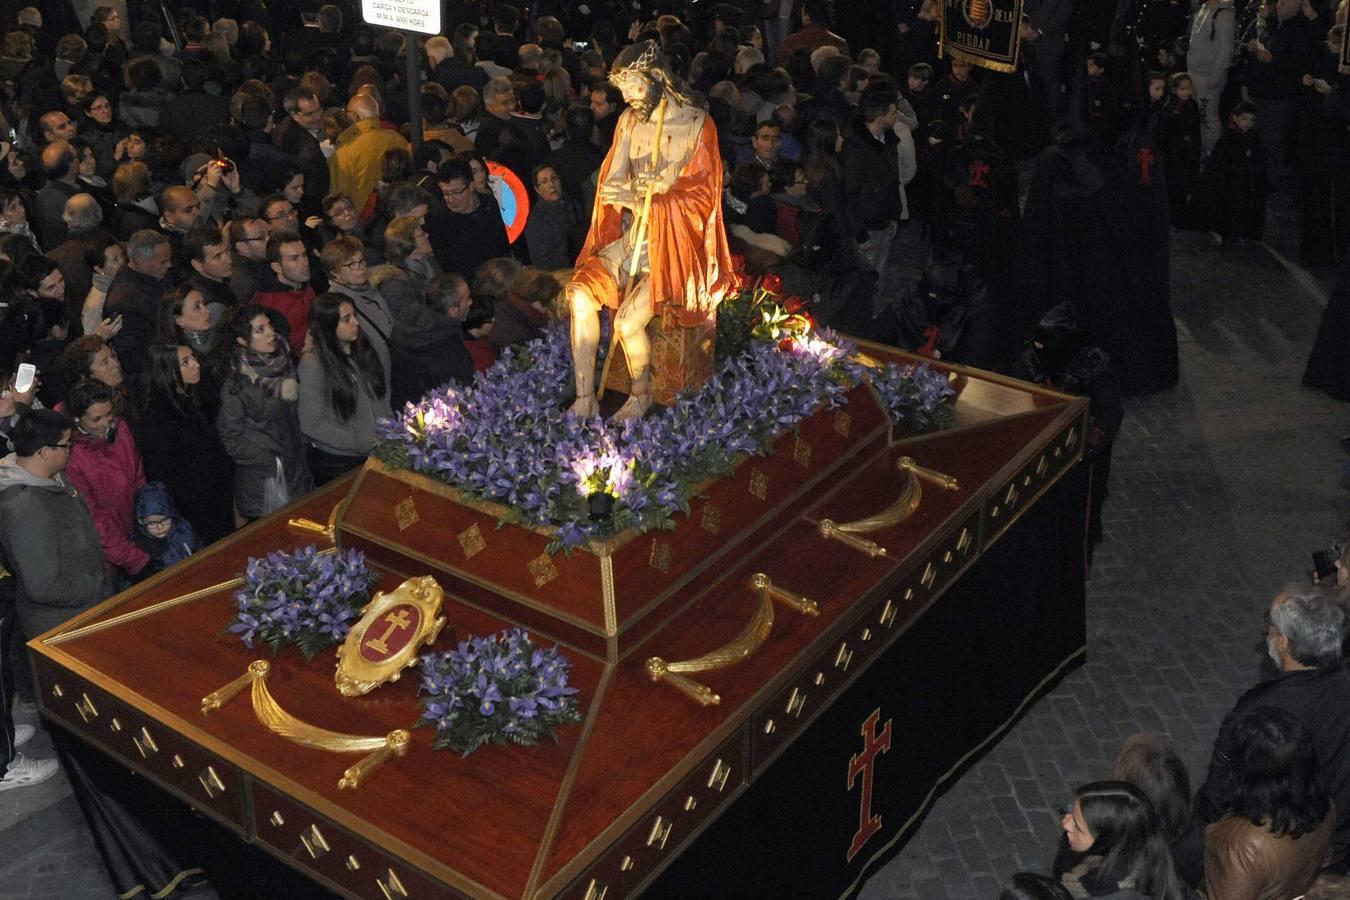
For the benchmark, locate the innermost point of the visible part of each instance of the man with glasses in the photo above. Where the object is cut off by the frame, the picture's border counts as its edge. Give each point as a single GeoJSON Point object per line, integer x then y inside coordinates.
{"type": "Point", "coordinates": [280, 214]}
{"type": "Point", "coordinates": [298, 136]}
{"type": "Point", "coordinates": [51, 548]}
{"type": "Point", "coordinates": [471, 232]}
{"type": "Point", "coordinates": [248, 250]}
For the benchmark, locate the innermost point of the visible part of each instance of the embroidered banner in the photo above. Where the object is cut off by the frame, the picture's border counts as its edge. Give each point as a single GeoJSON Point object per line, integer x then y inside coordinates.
{"type": "Point", "coordinates": [982, 32]}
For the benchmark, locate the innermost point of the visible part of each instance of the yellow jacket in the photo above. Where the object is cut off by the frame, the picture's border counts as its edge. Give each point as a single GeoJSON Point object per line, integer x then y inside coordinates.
{"type": "Point", "coordinates": [354, 167]}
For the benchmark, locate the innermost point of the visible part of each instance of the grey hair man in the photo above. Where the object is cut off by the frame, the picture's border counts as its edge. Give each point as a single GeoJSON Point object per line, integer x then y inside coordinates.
{"type": "Point", "coordinates": [136, 294]}
{"type": "Point", "coordinates": [1305, 630]}
{"type": "Point", "coordinates": [83, 218]}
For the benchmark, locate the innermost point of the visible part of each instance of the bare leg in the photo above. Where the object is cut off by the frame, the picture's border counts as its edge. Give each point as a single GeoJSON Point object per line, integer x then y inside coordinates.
{"type": "Point", "coordinates": [585, 342]}
{"type": "Point", "coordinates": [631, 325]}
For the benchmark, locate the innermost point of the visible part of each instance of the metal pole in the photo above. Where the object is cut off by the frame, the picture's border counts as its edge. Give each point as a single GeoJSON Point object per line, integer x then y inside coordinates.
{"type": "Point", "coordinates": [411, 53]}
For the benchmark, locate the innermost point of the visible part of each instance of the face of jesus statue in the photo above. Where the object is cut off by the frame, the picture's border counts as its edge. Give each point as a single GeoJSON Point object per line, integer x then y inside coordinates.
{"type": "Point", "coordinates": [639, 92]}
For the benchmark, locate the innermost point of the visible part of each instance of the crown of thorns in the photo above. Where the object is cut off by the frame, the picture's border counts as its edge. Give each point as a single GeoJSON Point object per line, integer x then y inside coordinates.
{"type": "Point", "coordinates": [648, 59]}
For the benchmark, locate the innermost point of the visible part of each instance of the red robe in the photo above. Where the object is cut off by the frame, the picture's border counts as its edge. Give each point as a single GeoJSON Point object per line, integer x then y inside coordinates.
{"type": "Point", "coordinates": [686, 241]}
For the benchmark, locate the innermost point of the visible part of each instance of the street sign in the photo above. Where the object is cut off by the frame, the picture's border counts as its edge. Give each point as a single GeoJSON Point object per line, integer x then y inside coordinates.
{"type": "Point", "coordinates": [422, 16]}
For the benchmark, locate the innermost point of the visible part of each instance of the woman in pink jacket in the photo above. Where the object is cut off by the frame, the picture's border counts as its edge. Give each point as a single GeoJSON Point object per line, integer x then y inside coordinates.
{"type": "Point", "coordinates": [105, 467]}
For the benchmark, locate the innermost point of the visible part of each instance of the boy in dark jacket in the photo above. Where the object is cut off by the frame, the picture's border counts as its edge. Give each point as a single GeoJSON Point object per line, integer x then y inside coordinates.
{"type": "Point", "coordinates": [160, 531]}
{"type": "Point", "coordinates": [1234, 185]}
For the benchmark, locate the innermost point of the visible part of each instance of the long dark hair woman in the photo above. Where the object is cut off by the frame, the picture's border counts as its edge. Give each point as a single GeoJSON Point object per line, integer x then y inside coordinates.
{"type": "Point", "coordinates": [824, 174]}
{"type": "Point", "coordinates": [1277, 834]}
{"type": "Point", "coordinates": [258, 423]}
{"type": "Point", "coordinates": [344, 389]}
{"type": "Point", "coordinates": [174, 416]}
{"type": "Point", "coordinates": [185, 319]}
{"type": "Point", "coordinates": [1114, 847]}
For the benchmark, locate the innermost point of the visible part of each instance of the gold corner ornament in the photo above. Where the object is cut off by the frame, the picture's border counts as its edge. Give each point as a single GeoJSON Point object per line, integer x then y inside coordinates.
{"type": "Point", "coordinates": [751, 638]}
{"type": "Point", "coordinates": [283, 724]}
{"type": "Point", "coordinates": [392, 629]}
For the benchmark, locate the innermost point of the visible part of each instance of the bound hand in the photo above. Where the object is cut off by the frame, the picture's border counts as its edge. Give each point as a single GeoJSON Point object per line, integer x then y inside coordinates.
{"type": "Point", "coordinates": [618, 195]}
{"type": "Point", "coordinates": [656, 183]}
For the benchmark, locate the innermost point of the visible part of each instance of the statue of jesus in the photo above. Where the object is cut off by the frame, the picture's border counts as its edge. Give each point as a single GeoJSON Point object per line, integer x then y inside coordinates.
{"type": "Point", "coordinates": [656, 233]}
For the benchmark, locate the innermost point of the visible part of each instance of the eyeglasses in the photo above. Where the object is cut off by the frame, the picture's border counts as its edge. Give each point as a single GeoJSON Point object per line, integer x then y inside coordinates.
{"type": "Point", "coordinates": [157, 522]}
{"type": "Point", "coordinates": [359, 263]}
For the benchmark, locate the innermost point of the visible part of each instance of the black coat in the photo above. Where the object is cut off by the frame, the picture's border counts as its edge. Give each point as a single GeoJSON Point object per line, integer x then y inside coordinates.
{"type": "Point", "coordinates": [1179, 136]}
{"type": "Point", "coordinates": [1320, 700]}
{"type": "Point", "coordinates": [1329, 363]}
{"type": "Point", "coordinates": [1234, 186]}
{"type": "Point", "coordinates": [303, 147]}
{"type": "Point", "coordinates": [69, 258]}
{"type": "Point", "coordinates": [1145, 346]}
{"type": "Point", "coordinates": [48, 206]}
{"type": "Point", "coordinates": [137, 299]}
{"type": "Point", "coordinates": [129, 219]}
{"type": "Point", "coordinates": [187, 114]}
{"type": "Point", "coordinates": [183, 450]}
{"type": "Point", "coordinates": [953, 298]}
{"type": "Point", "coordinates": [871, 179]}
{"type": "Point", "coordinates": [1073, 249]}
{"type": "Point", "coordinates": [464, 241]}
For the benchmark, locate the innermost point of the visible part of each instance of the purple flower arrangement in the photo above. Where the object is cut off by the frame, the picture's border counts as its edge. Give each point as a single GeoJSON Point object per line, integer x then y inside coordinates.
{"type": "Point", "coordinates": [915, 396]}
{"type": "Point", "coordinates": [495, 689]}
{"type": "Point", "coordinates": [305, 598]}
{"type": "Point", "coordinates": [507, 438]}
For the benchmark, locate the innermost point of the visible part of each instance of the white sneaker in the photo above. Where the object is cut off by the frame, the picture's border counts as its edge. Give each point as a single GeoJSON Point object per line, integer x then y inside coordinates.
{"type": "Point", "coordinates": [23, 734]}
{"type": "Point", "coordinates": [25, 772]}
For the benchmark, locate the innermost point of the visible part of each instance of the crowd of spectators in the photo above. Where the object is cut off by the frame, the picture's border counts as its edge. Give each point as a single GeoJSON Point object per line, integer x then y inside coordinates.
{"type": "Point", "coordinates": [227, 250]}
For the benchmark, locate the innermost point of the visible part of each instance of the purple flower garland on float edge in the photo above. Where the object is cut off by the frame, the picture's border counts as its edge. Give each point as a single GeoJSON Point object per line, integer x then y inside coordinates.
{"type": "Point", "coordinates": [507, 438]}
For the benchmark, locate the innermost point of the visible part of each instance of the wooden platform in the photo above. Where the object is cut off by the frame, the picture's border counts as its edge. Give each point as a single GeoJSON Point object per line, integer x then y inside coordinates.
{"type": "Point", "coordinates": [604, 810]}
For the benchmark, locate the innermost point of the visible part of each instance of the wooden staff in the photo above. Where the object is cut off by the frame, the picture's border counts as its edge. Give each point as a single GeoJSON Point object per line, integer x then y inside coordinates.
{"type": "Point", "coordinates": [640, 227]}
